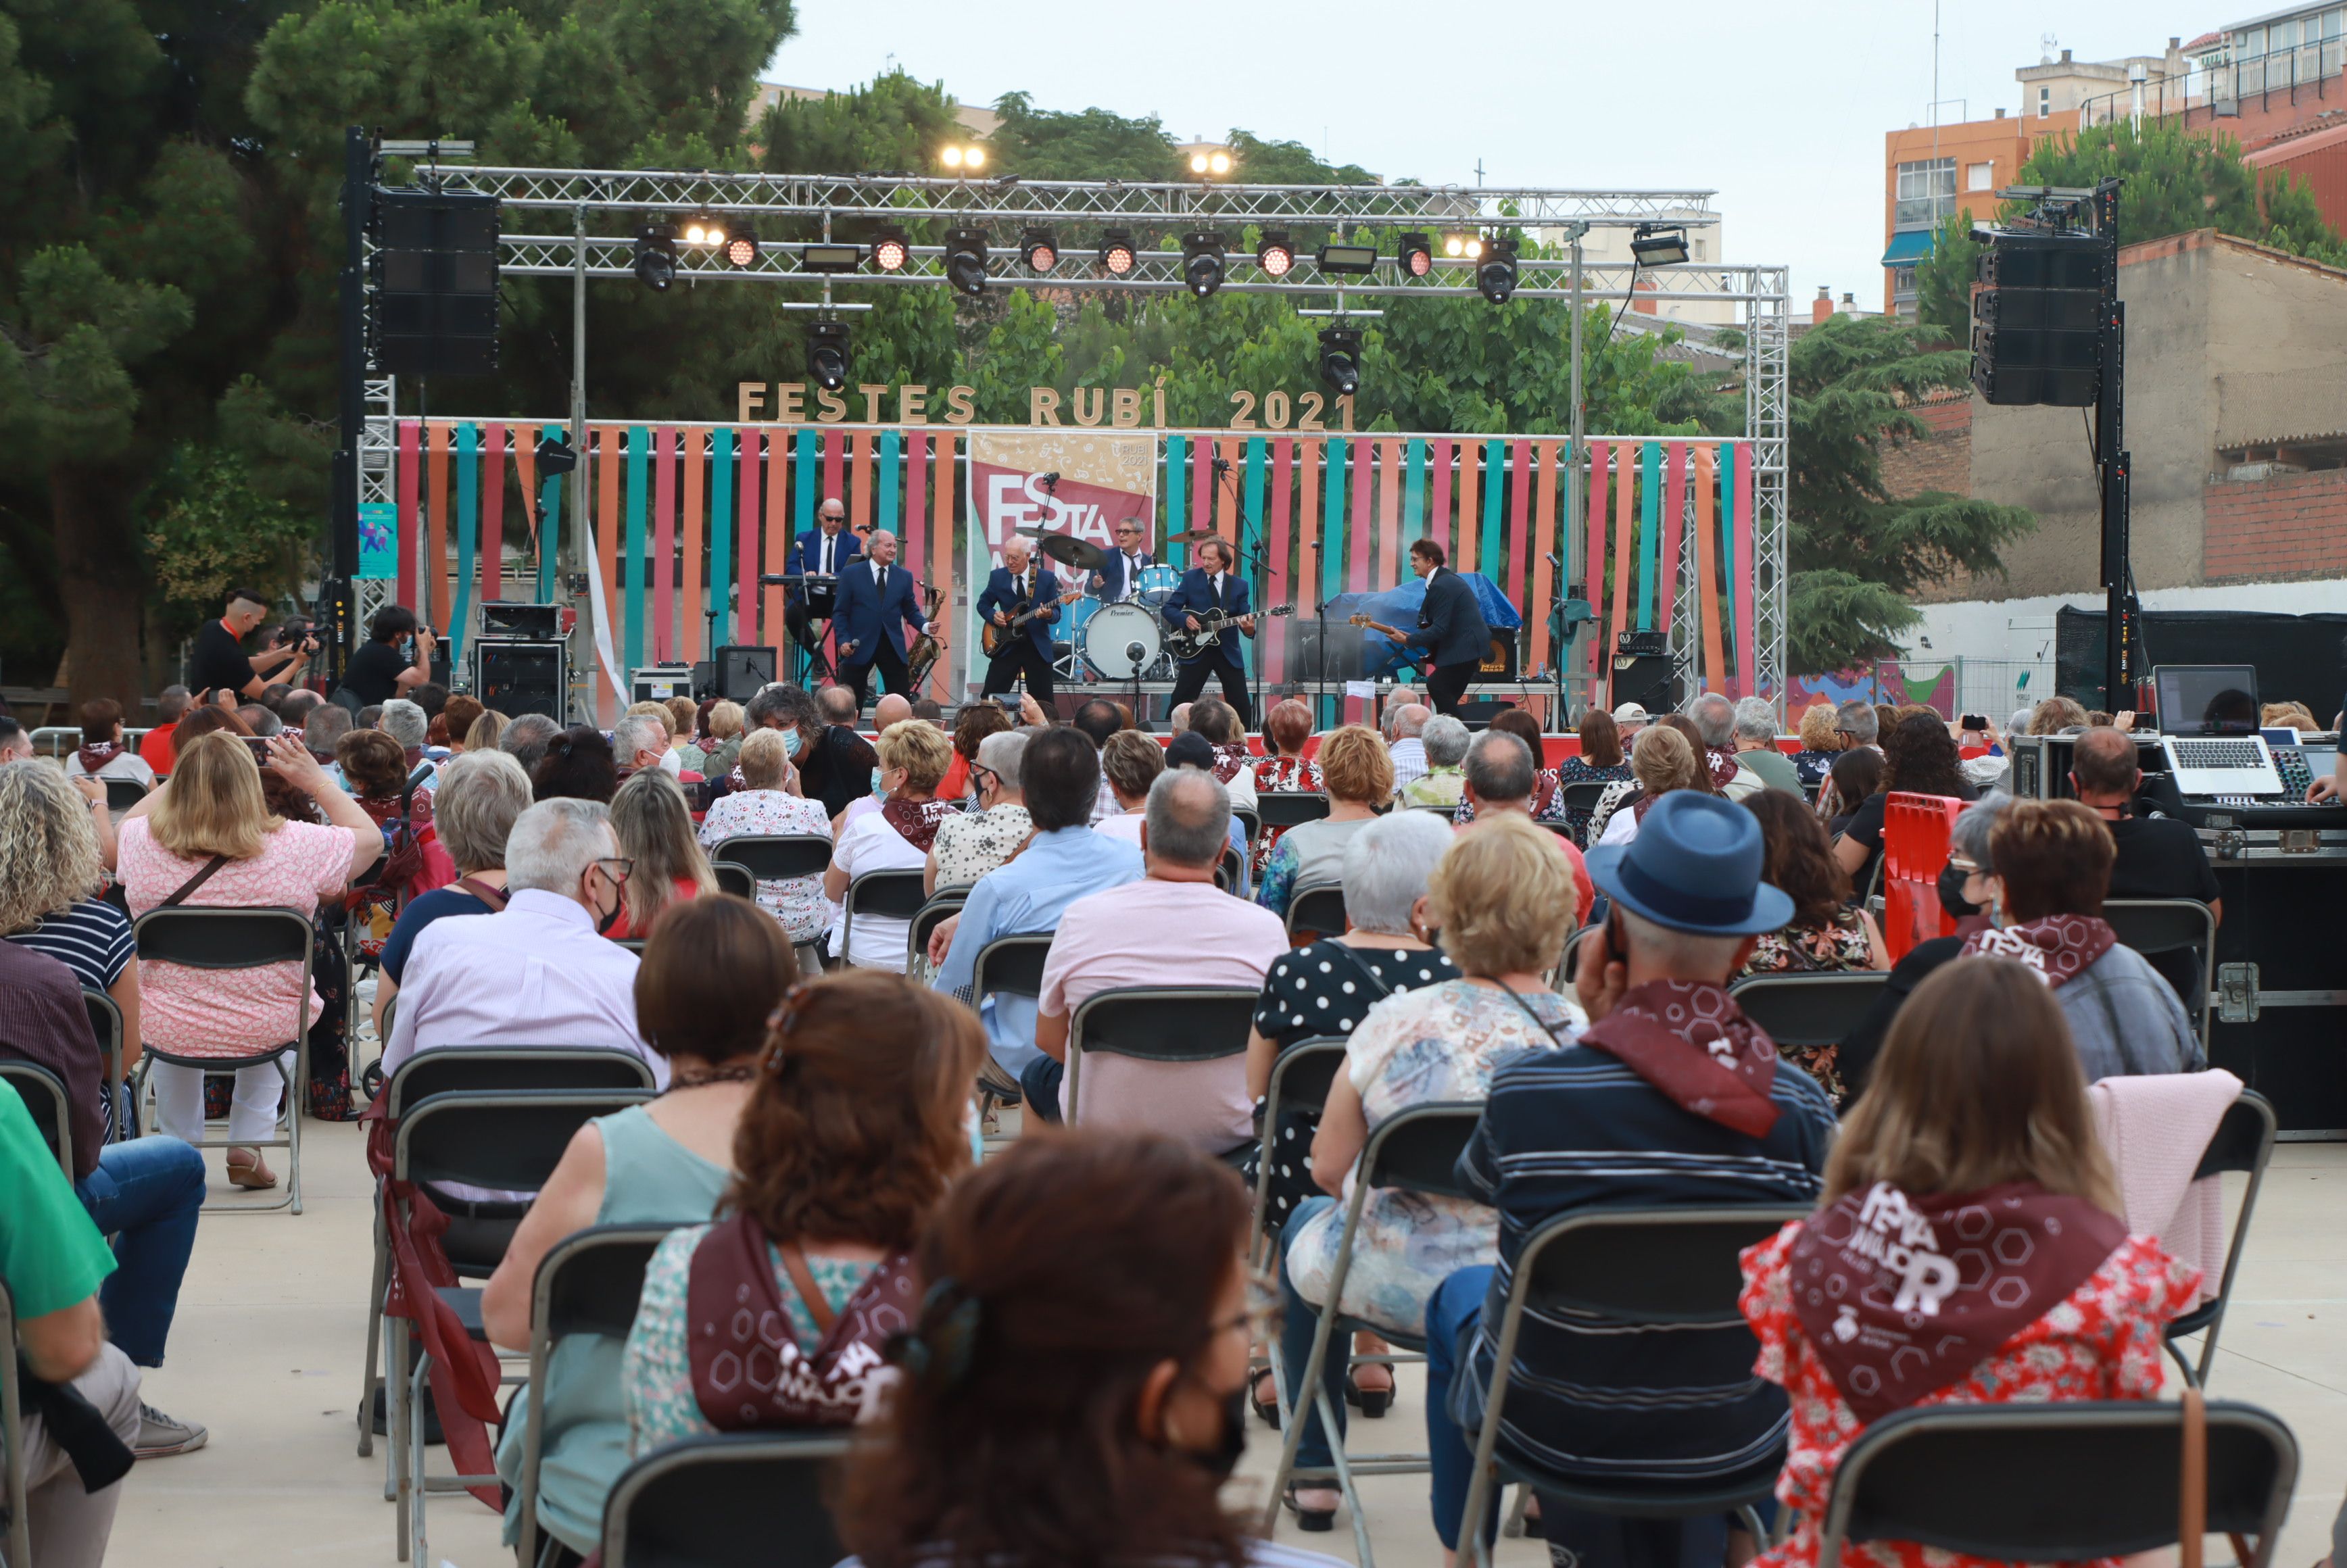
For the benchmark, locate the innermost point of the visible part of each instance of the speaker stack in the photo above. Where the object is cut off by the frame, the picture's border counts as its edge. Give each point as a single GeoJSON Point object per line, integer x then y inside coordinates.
{"type": "Point", "coordinates": [520, 663]}
{"type": "Point", "coordinates": [436, 278]}
{"type": "Point", "coordinates": [2036, 321]}
{"type": "Point", "coordinates": [1645, 673]}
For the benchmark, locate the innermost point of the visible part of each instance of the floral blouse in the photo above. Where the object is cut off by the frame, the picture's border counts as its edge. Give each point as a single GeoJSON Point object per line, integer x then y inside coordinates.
{"type": "Point", "coordinates": [1574, 771]}
{"type": "Point", "coordinates": [967, 847]}
{"type": "Point", "coordinates": [656, 1374]}
{"type": "Point", "coordinates": [1437, 1042]}
{"type": "Point", "coordinates": [2102, 1342]}
{"type": "Point", "coordinates": [1810, 951]}
{"type": "Point", "coordinates": [796, 901]}
{"type": "Point", "coordinates": [1281, 776]}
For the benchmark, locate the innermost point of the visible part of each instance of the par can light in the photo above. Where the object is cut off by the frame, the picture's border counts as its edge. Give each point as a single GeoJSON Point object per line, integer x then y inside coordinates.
{"type": "Point", "coordinates": [1117, 256]}
{"type": "Point", "coordinates": [1416, 255]}
{"type": "Point", "coordinates": [890, 248]}
{"type": "Point", "coordinates": [1039, 249]}
{"type": "Point", "coordinates": [742, 250]}
{"type": "Point", "coordinates": [1275, 253]}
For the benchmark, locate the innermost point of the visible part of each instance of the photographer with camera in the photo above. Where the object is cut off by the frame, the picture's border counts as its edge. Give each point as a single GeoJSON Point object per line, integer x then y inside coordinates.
{"type": "Point", "coordinates": [219, 663]}
{"type": "Point", "coordinates": [395, 659]}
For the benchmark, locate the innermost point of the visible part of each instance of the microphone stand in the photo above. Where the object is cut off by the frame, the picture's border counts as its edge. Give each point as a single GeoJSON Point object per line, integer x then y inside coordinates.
{"type": "Point", "coordinates": [1223, 471]}
{"type": "Point", "coordinates": [1319, 619]}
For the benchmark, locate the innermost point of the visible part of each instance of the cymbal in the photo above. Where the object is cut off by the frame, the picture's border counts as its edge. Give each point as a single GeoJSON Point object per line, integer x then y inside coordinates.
{"type": "Point", "coordinates": [1080, 554]}
{"type": "Point", "coordinates": [1194, 537]}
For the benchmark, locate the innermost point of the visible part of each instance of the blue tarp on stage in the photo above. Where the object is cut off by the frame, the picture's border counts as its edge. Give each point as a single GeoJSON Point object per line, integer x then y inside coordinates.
{"type": "Point", "coordinates": [1400, 607]}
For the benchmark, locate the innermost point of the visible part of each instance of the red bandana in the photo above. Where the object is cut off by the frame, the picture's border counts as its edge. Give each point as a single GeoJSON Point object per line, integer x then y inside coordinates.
{"type": "Point", "coordinates": [1901, 1295]}
{"type": "Point", "coordinates": [1722, 764]}
{"type": "Point", "coordinates": [2058, 948]}
{"type": "Point", "coordinates": [1229, 759]}
{"type": "Point", "coordinates": [1695, 1044]}
{"type": "Point", "coordinates": [748, 1371]}
{"type": "Point", "coordinates": [918, 820]}
{"type": "Point", "coordinates": [96, 757]}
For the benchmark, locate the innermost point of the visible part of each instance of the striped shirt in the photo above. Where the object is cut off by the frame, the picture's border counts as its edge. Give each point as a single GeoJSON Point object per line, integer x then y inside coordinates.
{"type": "Point", "coordinates": [1602, 1399]}
{"type": "Point", "coordinates": [92, 940]}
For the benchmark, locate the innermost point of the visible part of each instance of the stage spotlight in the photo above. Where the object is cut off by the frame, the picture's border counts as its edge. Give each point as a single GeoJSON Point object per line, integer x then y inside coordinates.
{"type": "Point", "coordinates": [966, 259]}
{"type": "Point", "coordinates": [826, 352]}
{"type": "Point", "coordinates": [701, 229]}
{"type": "Point", "coordinates": [1655, 246]}
{"type": "Point", "coordinates": [1416, 256]}
{"type": "Point", "coordinates": [963, 159]}
{"type": "Point", "coordinates": [1340, 359]}
{"type": "Point", "coordinates": [1462, 247]}
{"type": "Point", "coordinates": [1117, 256]}
{"type": "Point", "coordinates": [825, 257]}
{"type": "Point", "coordinates": [1201, 262]}
{"type": "Point", "coordinates": [1039, 249]}
{"type": "Point", "coordinates": [1275, 254]}
{"type": "Point", "coordinates": [1220, 163]}
{"type": "Point", "coordinates": [890, 248]}
{"type": "Point", "coordinates": [1348, 258]}
{"type": "Point", "coordinates": [742, 250]}
{"type": "Point", "coordinates": [656, 256]}
{"type": "Point", "coordinates": [1497, 276]}
{"type": "Point", "coordinates": [1208, 161]}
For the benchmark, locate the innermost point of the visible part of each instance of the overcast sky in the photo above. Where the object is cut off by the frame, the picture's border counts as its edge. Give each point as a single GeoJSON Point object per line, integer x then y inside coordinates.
{"type": "Point", "coordinates": [1779, 109]}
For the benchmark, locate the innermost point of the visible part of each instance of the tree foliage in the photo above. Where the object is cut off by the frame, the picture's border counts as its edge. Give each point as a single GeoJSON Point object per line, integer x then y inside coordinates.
{"type": "Point", "coordinates": [2177, 181]}
{"type": "Point", "coordinates": [1943, 281]}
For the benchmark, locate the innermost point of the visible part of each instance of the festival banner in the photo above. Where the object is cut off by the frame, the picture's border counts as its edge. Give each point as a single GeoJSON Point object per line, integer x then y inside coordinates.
{"type": "Point", "coordinates": [378, 539]}
{"type": "Point", "coordinates": [1098, 479]}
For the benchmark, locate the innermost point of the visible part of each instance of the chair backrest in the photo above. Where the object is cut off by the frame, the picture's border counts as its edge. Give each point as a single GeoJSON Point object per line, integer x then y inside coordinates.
{"type": "Point", "coordinates": [1584, 796]}
{"type": "Point", "coordinates": [1809, 1009]}
{"type": "Point", "coordinates": [1290, 808]}
{"type": "Point", "coordinates": [1012, 965]}
{"type": "Point", "coordinates": [121, 795]}
{"type": "Point", "coordinates": [1418, 1149]}
{"type": "Point", "coordinates": [1319, 910]}
{"type": "Point", "coordinates": [941, 905]}
{"type": "Point", "coordinates": [1230, 871]}
{"type": "Point", "coordinates": [203, 938]}
{"type": "Point", "coordinates": [2161, 925]}
{"type": "Point", "coordinates": [2041, 1483]}
{"type": "Point", "coordinates": [509, 1069]}
{"type": "Point", "coordinates": [2244, 1138]}
{"type": "Point", "coordinates": [891, 895]}
{"type": "Point", "coordinates": [43, 1094]}
{"type": "Point", "coordinates": [1164, 1023]}
{"type": "Point", "coordinates": [502, 1139]}
{"type": "Point", "coordinates": [1915, 830]}
{"type": "Point", "coordinates": [1251, 822]}
{"type": "Point", "coordinates": [739, 1500]}
{"type": "Point", "coordinates": [590, 1281]}
{"type": "Point", "coordinates": [734, 877]}
{"type": "Point", "coordinates": [106, 1023]}
{"type": "Point", "coordinates": [772, 856]}
{"type": "Point", "coordinates": [1303, 1073]}
{"type": "Point", "coordinates": [1658, 1265]}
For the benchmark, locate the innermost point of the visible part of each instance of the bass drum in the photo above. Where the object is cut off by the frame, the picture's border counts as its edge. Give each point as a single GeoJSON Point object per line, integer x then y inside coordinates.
{"type": "Point", "coordinates": [1110, 636]}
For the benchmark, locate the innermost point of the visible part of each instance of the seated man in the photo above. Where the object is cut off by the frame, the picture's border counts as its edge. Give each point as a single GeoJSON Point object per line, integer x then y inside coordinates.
{"type": "Point", "coordinates": [1065, 861]}
{"type": "Point", "coordinates": [2155, 856]}
{"type": "Point", "coordinates": [1638, 1110]}
{"type": "Point", "coordinates": [639, 741]}
{"type": "Point", "coordinates": [145, 1193]}
{"type": "Point", "coordinates": [405, 722]}
{"type": "Point", "coordinates": [53, 1260]}
{"type": "Point", "coordinates": [1171, 929]}
{"type": "Point", "coordinates": [1405, 726]}
{"type": "Point", "coordinates": [837, 768]}
{"type": "Point", "coordinates": [1500, 776]}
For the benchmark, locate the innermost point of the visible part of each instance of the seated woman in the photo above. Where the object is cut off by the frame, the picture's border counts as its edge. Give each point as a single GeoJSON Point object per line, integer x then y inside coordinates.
{"type": "Point", "coordinates": [1826, 935]}
{"type": "Point", "coordinates": [1856, 778]}
{"type": "Point", "coordinates": [102, 754]}
{"type": "Point", "coordinates": [1661, 760]}
{"type": "Point", "coordinates": [1358, 774]}
{"type": "Point", "coordinates": [857, 1125]}
{"type": "Point", "coordinates": [577, 766]}
{"type": "Point", "coordinates": [722, 738]}
{"type": "Point", "coordinates": [714, 969]}
{"type": "Point", "coordinates": [1920, 758]}
{"type": "Point", "coordinates": [971, 843]}
{"type": "Point", "coordinates": [485, 733]}
{"type": "Point", "coordinates": [1502, 898]}
{"type": "Point", "coordinates": [375, 771]}
{"type": "Point", "coordinates": [1445, 778]}
{"type": "Point", "coordinates": [1219, 722]}
{"type": "Point", "coordinates": [654, 827]}
{"type": "Point", "coordinates": [1288, 771]}
{"type": "Point", "coordinates": [460, 714]}
{"type": "Point", "coordinates": [681, 715]}
{"type": "Point", "coordinates": [914, 754]}
{"type": "Point", "coordinates": [770, 804]}
{"type": "Point", "coordinates": [480, 795]}
{"type": "Point", "coordinates": [1820, 744]}
{"type": "Point", "coordinates": [1072, 1386]}
{"type": "Point", "coordinates": [1130, 764]}
{"type": "Point", "coordinates": [1601, 761]}
{"type": "Point", "coordinates": [971, 726]}
{"type": "Point", "coordinates": [1977, 1093]}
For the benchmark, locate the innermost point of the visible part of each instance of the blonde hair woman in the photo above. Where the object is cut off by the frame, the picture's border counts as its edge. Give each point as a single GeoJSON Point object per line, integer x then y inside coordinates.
{"type": "Point", "coordinates": [1661, 761]}
{"type": "Point", "coordinates": [914, 756]}
{"type": "Point", "coordinates": [206, 839]}
{"type": "Point", "coordinates": [654, 827]}
{"type": "Point", "coordinates": [1358, 774]}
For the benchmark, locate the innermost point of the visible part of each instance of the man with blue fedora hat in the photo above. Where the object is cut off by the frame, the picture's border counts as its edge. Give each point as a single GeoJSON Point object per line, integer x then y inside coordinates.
{"type": "Point", "coordinates": [1671, 1096]}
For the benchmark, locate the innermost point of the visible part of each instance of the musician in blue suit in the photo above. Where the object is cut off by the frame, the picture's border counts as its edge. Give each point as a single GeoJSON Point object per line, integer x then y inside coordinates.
{"type": "Point", "coordinates": [1214, 585]}
{"type": "Point", "coordinates": [876, 602]}
{"type": "Point", "coordinates": [1451, 632]}
{"type": "Point", "coordinates": [1015, 586]}
{"type": "Point", "coordinates": [823, 550]}
{"type": "Point", "coordinates": [1118, 578]}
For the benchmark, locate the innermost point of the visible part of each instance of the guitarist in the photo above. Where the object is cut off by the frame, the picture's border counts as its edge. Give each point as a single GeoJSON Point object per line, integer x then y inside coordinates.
{"type": "Point", "coordinates": [1451, 631]}
{"type": "Point", "coordinates": [1012, 590]}
{"type": "Point", "coordinates": [1211, 585]}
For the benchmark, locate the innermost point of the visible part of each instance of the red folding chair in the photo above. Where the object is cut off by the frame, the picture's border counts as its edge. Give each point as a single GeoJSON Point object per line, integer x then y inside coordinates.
{"type": "Point", "coordinates": [1915, 829]}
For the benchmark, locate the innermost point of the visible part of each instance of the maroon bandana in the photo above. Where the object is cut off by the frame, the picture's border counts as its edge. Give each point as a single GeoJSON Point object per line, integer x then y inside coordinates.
{"type": "Point", "coordinates": [1902, 1295]}
{"type": "Point", "coordinates": [2058, 948]}
{"type": "Point", "coordinates": [918, 820]}
{"type": "Point", "coordinates": [1722, 764]}
{"type": "Point", "coordinates": [1230, 759]}
{"type": "Point", "coordinates": [1694, 1043]}
{"type": "Point", "coordinates": [748, 1371]}
{"type": "Point", "coordinates": [96, 757]}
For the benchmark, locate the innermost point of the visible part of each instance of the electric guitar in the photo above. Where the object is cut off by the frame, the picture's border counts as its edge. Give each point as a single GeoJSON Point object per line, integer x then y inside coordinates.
{"type": "Point", "coordinates": [1400, 638]}
{"type": "Point", "coordinates": [1188, 644]}
{"type": "Point", "coordinates": [995, 639]}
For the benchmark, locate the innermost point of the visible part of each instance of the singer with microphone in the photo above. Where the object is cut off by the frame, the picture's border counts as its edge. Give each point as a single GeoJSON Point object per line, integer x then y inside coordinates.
{"type": "Point", "coordinates": [876, 602]}
{"type": "Point", "coordinates": [1452, 629]}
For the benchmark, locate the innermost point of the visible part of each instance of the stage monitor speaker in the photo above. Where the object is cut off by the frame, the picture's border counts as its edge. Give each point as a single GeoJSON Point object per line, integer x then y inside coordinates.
{"type": "Point", "coordinates": [1648, 680]}
{"type": "Point", "coordinates": [1305, 650]}
{"type": "Point", "coordinates": [743, 672]}
{"type": "Point", "coordinates": [1479, 714]}
{"type": "Point", "coordinates": [520, 676]}
{"type": "Point", "coordinates": [509, 618]}
{"type": "Point", "coordinates": [659, 683]}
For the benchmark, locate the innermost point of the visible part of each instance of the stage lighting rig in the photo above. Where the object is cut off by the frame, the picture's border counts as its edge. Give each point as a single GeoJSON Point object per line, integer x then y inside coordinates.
{"type": "Point", "coordinates": [1039, 249]}
{"type": "Point", "coordinates": [891, 248]}
{"type": "Point", "coordinates": [1338, 257]}
{"type": "Point", "coordinates": [1117, 256]}
{"type": "Point", "coordinates": [966, 259]}
{"type": "Point", "coordinates": [1210, 163]}
{"type": "Point", "coordinates": [967, 158]}
{"type": "Point", "coordinates": [1340, 359]}
{"type": "Point", "coordinates": [1462, 247]}
{"type": "Point", "coordinates": [1416, 254]}
{"type": "Point", "coordinates": [1275, 253]}
{"type": "Point", "coordinates": [825, 256]}
{"type": "Point", "coordinates": [703, 229]}
{"type": "Point", "coordinates": [1497, 275]}
{"type": "Point", "coordinates": [1655, 246]}
{"type": "Point", "coordinates": [826, 352]}
{"type": "Point", "coordinates": [1201, 262]}
{"type": "Point", "coordinates": [742, 247]}
{"type": "Point", "coordinates": [656, 256]}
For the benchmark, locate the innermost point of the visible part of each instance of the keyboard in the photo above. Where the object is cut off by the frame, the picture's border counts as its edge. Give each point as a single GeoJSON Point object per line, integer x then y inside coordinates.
{"type": "Point", "coordinates": [2231, 766]}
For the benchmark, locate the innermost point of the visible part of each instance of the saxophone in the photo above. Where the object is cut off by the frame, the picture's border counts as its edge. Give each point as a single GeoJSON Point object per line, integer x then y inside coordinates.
{"type": "Point", "coordinates": [923, 653]}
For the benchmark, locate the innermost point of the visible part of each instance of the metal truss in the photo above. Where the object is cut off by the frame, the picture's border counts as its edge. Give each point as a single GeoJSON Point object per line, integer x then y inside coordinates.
{"type": "Point", "coordinates": [1767, 421]}
{"type": "Point", "coordinates": [378, 479]}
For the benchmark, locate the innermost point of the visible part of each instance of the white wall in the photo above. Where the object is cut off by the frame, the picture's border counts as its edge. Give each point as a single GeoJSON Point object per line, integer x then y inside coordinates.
{"type": "Point", "coordinates": [2023, 628]}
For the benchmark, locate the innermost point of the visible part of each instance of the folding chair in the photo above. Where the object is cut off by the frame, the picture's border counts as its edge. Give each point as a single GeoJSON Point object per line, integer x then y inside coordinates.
{"type": "Point", "coordinates": [1007, 965]}
{"type": "Point", "coordinates": [1157, 1023]}
{"type": "Point", "coordinates": [2046, 1482]}
{"type": "Point", "coordinates": [509, 1141]}
{"type": "Point", "coordinates": [444, 1069]}
{"type": "Point", "coordinates": [1581, 798]}
{"type": "Point", "coordinates": [1666, 1267]}
{"type": "Point", "coordinates": [43, 1094]}
{"type": "Point", "coordinates": [121, 795]}
{"type": "Point", "coordinates": [738, 1499]}
{"type": "Point", "coordinates": [213, 938]}
{"type": "Point", "coordinates": [1414, 1151]}
{"type": "Point", "coordinates": [587, 1283]}
{"type": "Point", "coordinates": [942, 906]}
{"type": "Point", "coordinates": [1283, 809]}
{"type": "Point", "coordinates": [2153, 925]}
{"type": "Point", "coordinates": [1251, 820]}
{"type": "Point", "coordinates": [1317, 910]}
{"type": "Point", "coordinates": [776, 856]}
{"type": "Point", "coordinates": [895, 895]}
{"type": "Point", "coordinates": [1809, 1009]}
{"type": "Point", "coordinates": [1230, 872]}
{"type": "Point", "coordinates": [734, 879]}
{"type": "Point", "coordinates": [106, 1023]}
{"type": "Point", "coordinates": [1301, 1077]}
{"type": "Point", "coordinates": [2243, 1142]}
{"type": "Point", "coordinates": [12, 1437]}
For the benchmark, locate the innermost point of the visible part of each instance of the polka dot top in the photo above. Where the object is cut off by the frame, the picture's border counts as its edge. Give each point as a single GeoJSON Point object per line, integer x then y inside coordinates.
{"type": "Point", "coordinates": [1325, 989]}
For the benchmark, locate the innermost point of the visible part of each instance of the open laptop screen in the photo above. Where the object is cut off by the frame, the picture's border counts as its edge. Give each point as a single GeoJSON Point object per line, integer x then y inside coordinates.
{"type": "Point", "coordinates": [2206, 699]}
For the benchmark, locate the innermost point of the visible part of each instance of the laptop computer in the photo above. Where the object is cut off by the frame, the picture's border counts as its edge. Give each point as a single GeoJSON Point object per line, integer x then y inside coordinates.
{"type": "Point", "coordinates": [2209, 725]}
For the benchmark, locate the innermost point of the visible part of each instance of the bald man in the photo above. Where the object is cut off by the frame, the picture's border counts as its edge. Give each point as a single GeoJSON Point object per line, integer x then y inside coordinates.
{"type": "Point", "coordinates": [2158, 856]}
{"type": "Point", "coordinates": [1021, 586]}
{"type": "Point", "coordinates": [878, 602]}
{"type": "Point", "coordinates": [823, 552]}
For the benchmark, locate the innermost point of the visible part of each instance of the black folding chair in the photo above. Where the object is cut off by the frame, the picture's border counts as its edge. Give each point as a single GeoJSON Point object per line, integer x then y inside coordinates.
{"type": "Point", "coordinates": [1317, 910]}
{"type": "Point", "coordinates": [1230, 872]}
{"type": "Point", "coordinates": [2154, 926]}
{"type": "Point", "coordinates": [220, 938]}
{"type": "Point", "coordinates": [1666, 1267]}
{"type": "Point", "coordinates": [1007, 965]}
{"type": "Point", "coordinates": [1415, 1151]}
{"type": "Point", "coordinates": [892, 894]}
{"type": "Point", "coordinates": [106, 1023]}
{"type": "Point", "coordinates": [1285, 809]}
{"type": "Point", "coordinates": [472, 1250]}
{"type": "Point", "coordinates": [2243, 1142]}
{"type": "Point", "coordinates": [776, 856]}
{"type": "Point", "coordinates": [1251, 821]}
{"type": "Point", "coordinates": [121, 795]}
{"type": "Point", "coordinates": [734, 879]}
{"type": "Point", "coordinates": [1157, 1023]}
{"type": "Point", "coordinates": [2056, 1483]}
{"type": "Point", "coordinates": [1581, 798]}
{"type": "Point", "coordinates": [1809, 1009]}
{"type": "Point", "coordinates": [503, 1139]}
{"type": "Point", "coordinates": [1301, 1077]}
{"type": "Point", "coordinates": [12, 1437]}
{"type": "Point", "coordinates": [587, 1283]}
{"type": "Point", "coordinates": [740, 1500]}
{"type": "Point", "coordinates": [43, 1094]}
{"type": "Point", "coordinates": [941, 905]}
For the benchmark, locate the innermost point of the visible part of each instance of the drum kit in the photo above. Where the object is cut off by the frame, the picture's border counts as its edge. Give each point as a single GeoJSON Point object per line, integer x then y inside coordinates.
{"type": "Point", "coordinates": [1124, 642]}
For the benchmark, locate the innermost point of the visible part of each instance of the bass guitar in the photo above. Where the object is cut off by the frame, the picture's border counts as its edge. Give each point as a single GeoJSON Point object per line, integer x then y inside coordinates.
{"type": "Point", "coordinates": [1400, 638]}
{"type": "Point", "coordinates": [1188, 644]}
{"type": "Point", "coordinates": [995, 639]}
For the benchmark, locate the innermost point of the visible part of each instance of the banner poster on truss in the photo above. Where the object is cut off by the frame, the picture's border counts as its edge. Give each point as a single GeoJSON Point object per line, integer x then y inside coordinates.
{"type": "Point", "coordinates": [1103, 477]}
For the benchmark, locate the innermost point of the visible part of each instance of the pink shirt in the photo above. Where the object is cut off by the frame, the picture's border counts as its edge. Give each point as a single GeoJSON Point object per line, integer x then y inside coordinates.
{"type": "Point", "coordinates": [230, 1013]}
{"type": "Point", "coordinates": [1154, 933]}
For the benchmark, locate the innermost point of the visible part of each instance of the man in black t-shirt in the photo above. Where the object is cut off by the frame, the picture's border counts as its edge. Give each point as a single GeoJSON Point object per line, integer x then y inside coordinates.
{"type": "Point", "coordinates": [837, 769]}
{"type": "Point", "coordinates": [395, 659]}
{"type": "Point", "coordinates": [2158, 856]}
{"type": "Point", "coordinates": [219, 662]}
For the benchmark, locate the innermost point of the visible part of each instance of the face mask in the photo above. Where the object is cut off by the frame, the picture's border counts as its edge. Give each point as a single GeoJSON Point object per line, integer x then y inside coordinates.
{"type": "Point", "coordinates": [876, 787]}
{"type": "Point", "coordinates": [791, 744]}
{"type": "Point", "coordinates": [1951, 893]}
{"type": "Point", "coordinates": [1222, 1459]}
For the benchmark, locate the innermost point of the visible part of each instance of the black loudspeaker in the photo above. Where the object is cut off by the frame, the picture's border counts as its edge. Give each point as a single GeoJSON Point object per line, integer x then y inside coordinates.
{"type": "Point", "coordinates": [1500, 664]}
{"type": "Point", "coordinates": [506, 618]}
{"type": "Point", "coordinates": [436, 278]}
{"type": "Point", "coordinates": [743, 672]}
{"type": "Point", "coordinates": [1648, 680]}
{"type": "Point", "coordinates": [1305, 653]}
{"type": "Point", "coordinates": [2036, 320]}
{"type": "Point", "coordinates": [704, 679]}
{"type": "Point", "coordinates": [1479, 714]}
{"type": "Point", "coordinates": [522, 677]}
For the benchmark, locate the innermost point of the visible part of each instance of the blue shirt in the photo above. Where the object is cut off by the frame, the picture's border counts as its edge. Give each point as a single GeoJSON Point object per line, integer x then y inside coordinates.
{"type": "Point", "coordinates": [1022, 898]}
{"type": "Point", "coordinates": [420, 911]}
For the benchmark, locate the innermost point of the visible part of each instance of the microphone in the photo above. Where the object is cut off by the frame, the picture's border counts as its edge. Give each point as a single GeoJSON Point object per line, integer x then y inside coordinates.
{"type": "Point", "coordinates": [1221, 464]}
{"type": "Point", "coordinates": [1553, 560]}
{"type": "Point", "coordinates": [1315, 544]}
{"type": "Point", "coordinates": [1051, 479]}
{"type": "Point", "coordinates": [1137, 653]}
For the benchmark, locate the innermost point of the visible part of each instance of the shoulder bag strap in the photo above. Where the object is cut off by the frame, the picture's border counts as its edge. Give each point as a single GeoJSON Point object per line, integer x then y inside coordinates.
{"type": "Point", "coordinates": [192, 883]}
{"type": "Point", "coordinates": [794, 1264]}
{"type": "Point", "coordinates": [494, 897]}
{"type": "Point", "coordinates": [1369, 971]}
{"type": "Point", "coordinates": [1544, 1025]}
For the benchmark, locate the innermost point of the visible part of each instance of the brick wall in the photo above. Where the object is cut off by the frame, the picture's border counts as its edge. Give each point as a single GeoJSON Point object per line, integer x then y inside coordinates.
{"type": "Point", "coordinates": [1941, 461]}
{"type": "Point", "coordinates": [2289, 526]}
